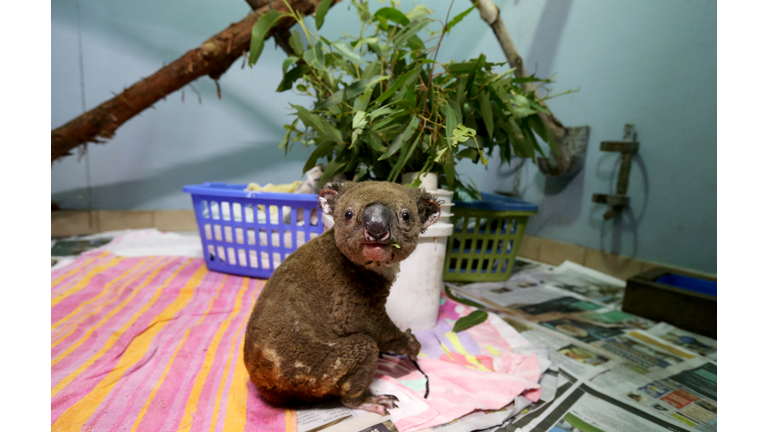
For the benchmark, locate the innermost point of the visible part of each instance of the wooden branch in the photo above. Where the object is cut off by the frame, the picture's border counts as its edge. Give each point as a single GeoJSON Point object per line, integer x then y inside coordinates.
{"type": "Point", "coordinates": [212, 58]}
{"type": "Point", "coordinates": [563, 162]}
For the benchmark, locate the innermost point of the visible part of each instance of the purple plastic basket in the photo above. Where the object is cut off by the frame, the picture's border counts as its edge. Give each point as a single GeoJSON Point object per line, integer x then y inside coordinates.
{"type": "Point", "coordinates": [250, 233]}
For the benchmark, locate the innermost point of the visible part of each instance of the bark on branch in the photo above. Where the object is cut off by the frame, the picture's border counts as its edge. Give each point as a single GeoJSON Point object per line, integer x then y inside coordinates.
{"type": "Point", "coordinates": [212, 58]}
{"type": "Point", "coordinates": [565, 163]}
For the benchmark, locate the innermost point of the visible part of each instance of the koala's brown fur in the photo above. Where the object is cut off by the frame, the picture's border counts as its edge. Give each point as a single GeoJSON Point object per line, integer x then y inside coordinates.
{"type": "Point", "coordinates": [319, 323]}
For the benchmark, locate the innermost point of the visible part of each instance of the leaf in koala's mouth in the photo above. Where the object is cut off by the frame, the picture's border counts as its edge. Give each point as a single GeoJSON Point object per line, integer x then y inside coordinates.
{"type": "Point", "coordinates": [396, 245]}
{"type": "Point", "coordinates": [375, 252]}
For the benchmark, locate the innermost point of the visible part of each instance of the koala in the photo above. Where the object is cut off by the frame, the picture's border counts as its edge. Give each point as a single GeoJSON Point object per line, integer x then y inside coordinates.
{"type": "Point", "coordinates": [319, 324]}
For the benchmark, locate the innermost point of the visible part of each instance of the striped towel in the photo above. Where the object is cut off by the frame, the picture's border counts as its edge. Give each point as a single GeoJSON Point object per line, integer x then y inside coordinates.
{"type": "Point", "coordinates": [153, 344]}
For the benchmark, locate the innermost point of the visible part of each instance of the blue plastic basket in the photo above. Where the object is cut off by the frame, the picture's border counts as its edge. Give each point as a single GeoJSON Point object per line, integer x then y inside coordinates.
{"type": "Point", "coordinates": [486, 237]}
{"type": "Point", "coordinates": [248, 233]}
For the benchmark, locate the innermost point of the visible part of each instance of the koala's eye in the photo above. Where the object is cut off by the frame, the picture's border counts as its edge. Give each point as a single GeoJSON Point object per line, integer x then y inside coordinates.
{"type": "Point", "coordinates": [406, 216]}
{"type": "Point", "coordinates": [348, 214]}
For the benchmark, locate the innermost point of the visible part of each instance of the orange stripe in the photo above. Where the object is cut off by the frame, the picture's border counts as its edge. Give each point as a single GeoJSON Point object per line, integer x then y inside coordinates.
{"type": "Point", "coordinates": [77, 269]}
{"type": "Point", "coordinates": [70, 327]}
{"type": "Point", "coordinates": [291, 423]}
{"type": "Point", "coordinates": [107, 287]}
{"type": "Point", "coordinates": [115, 335]}
{"type": "Point", "coordinates": [144, 409]}
{"type": "Point", "coordinates": [237, 397]}
{"type": "Point", "coordinates": [210, 354]}
{"type": "Point", "coordinates": [76, 416]}
{"type": "Point", "coordinates": [223, 382]}
{"type": "Point", "coordinates": [85, 281]}
{"type": "Point", "coordinates": [112, 313]}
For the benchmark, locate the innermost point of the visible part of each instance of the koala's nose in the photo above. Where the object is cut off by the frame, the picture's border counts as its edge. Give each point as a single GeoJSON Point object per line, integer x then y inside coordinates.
{"type": "Point", "coordinates": [376, 221]}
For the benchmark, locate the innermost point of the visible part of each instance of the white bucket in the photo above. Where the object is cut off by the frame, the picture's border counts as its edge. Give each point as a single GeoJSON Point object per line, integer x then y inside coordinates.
{"type": "Point", "coordinates": [414, 299]}
{"type": "Point", "coordinates": [428, 180]}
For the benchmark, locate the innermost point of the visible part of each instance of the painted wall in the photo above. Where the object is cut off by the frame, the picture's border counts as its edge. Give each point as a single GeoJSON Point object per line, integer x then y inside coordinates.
{"type": "Point", "coordinates": [647, 62]}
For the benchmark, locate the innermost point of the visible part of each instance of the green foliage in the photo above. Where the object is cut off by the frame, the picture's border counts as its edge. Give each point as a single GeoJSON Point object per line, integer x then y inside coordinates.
{"type": "Point", "coordinates": [471, 320]}
{"type": "Point", "coordinates": [259, 32]}
{"type": "Point", "coordinates": [383, 106]}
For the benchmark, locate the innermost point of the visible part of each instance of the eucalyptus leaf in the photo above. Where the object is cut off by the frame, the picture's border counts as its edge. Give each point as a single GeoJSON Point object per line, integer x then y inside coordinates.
{"type": "Point", "coordinates": [315, 57]}
{"type": "Point", "coordinates": [320, 151]}
{"type": "Point", "coordinates": [451, 118]}
{"type": "Point", "coordinates": [330, 170]}
{"type": "Point", "coordinates": [403, 137]}
{"type": "Point", "coordinates": [359, 120]}
{"type": "Point", "coordinates": [259, 32]}
{"type": "Point", "coordinates": [374, 142]}
{"type": "Point", "coordinates": [450, 173]}
{"type": "Point", "coordinates": [396, 86]}
{"type": "Point", "coordinates": [291, 76]}
{"type": "Point", "coordinates": [468, 153]}
{"type": "Point", "coordinates": [346, 50]}
{"type": "Point", "coordinates": [353, 90]}
{"type": "Point", "coordinates": [486, 111]}
{"type": "Point", "coordinates": [284, 142]}
{"type": "Point", "coordinates": [295, 43]}
{"type": "Point", "coordinates": [404, 156]}
{"type": "Point", "coordinates": [471, 320]}
{"type": "Point", "coordinates": [380, 112]}
{"type": "Point", "coordinates": [457, 19]}
{"type": "Point", "coordinates": [320, 12]}
{"type": "Point", "coordinates": [418, 12]}
{"type": "Point", "coordinates": [543, 131]}
{"type": "Point", "coordinates": [410, 30]}
{"type": "Point", "coordinates": [393, 15]}
{"type": "Point", "coordinates": [288, 62]}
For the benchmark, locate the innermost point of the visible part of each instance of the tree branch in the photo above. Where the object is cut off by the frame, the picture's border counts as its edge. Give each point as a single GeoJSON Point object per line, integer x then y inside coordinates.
{"type": "Point", "coordinates": [566, 162]}
{"type": "Point", "coordinates": [212, 58]}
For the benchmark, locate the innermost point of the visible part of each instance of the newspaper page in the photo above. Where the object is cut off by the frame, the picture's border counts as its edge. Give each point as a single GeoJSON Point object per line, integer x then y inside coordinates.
{"type": "Point", "coordinates": [587, 409]}
{"type": "Point", "coordinates": [319, 417]}
{"type": "Point", "coordinates": [578, 359]}
{"type": "Point", "coordinates": [532, 414]}
{"type": "Point", "coordinates": [664, 378]}
{"type": "Point", "coordinates": [586, 282]}
{"type": "Point", "coordinates": [702, 345]}
{"type": "Point", "coordinates": [690, 397]}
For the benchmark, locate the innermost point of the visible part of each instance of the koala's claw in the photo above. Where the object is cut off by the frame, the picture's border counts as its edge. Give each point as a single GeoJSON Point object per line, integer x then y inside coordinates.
{"type": "Point", "coordinates": [413, 345]}
{"type": "Point", "coordinates": [375, 404]}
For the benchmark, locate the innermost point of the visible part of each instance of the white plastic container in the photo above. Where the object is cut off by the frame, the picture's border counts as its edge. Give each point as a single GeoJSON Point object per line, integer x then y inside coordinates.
{"type": "Point", "coordinates": [445, 198]}
{"type": "Point", "coordinates": [414, 299]}
{"type": "Point", "coordinates": [428, 180]}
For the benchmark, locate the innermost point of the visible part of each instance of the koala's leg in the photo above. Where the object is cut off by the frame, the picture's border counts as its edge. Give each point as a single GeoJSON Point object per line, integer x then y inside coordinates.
{"type": "Point", "coordinates": [357, 356]}
{"type": "Point", "coordinates": [392, 339]}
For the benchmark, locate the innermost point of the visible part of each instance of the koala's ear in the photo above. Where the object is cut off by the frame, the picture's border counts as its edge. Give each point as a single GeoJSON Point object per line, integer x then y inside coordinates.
{"type": "Point", "coordinates": [328, 197]}
{"type": "Point", "coordinates": [429, 209]}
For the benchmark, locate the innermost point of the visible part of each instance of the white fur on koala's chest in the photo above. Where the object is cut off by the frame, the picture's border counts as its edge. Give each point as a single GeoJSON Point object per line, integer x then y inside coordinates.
{"type": "Point", "coordinates": [389, 271]}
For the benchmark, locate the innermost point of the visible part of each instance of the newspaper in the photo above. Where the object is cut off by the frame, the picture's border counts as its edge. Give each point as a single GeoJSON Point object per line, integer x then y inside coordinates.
{"type": "Point", "coordinates": [585, 408]}
{"type": "Point", "coordinates": [578, 359]}
{"type": "Point", "coordinates": [586, 282]}
{"type": "Point", "coordinates": [652, 376]}
{"type": "Point", "coordinates": [702, 345]}
{"type": "Point", "coordinates": [585, 299]}
{"type": "Point", "coordinates": [664, 378]}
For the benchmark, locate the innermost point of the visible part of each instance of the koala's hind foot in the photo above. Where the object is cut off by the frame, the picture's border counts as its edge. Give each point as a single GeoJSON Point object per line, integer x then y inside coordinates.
{"type": "Point", "coordinates": [375, 404]}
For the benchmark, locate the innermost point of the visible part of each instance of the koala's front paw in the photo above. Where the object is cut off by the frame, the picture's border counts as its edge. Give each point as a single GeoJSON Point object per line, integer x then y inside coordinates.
{"type": "Point", "coordinates": [412, 345]}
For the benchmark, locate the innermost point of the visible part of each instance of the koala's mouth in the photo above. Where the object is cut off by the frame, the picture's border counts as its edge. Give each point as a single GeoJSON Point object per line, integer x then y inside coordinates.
{"type": "Point", "coordinates": [376, 251]}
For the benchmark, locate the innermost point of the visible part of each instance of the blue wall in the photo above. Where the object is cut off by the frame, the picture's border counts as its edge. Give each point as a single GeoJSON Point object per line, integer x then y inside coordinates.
{"type": "Point", "coordinates": [647, 62]}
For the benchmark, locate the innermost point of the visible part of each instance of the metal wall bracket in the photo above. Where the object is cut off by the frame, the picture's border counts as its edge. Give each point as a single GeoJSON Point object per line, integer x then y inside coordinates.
{"type": "Point", "coordinates": [628, 147]}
